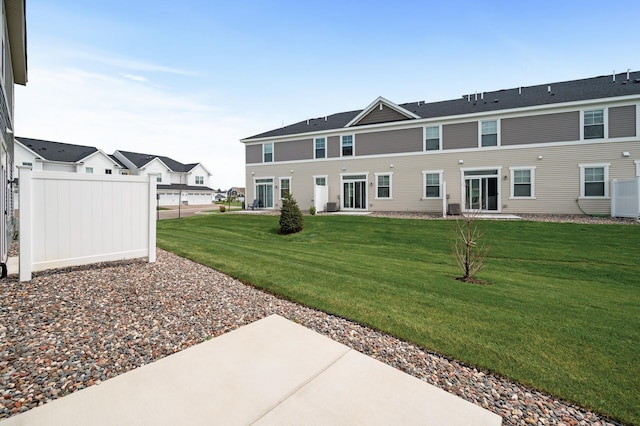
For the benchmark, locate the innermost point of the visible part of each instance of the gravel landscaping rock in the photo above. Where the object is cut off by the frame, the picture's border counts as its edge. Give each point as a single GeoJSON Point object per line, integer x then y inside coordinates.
{"type": "Point", "coordinates": [69, 329]}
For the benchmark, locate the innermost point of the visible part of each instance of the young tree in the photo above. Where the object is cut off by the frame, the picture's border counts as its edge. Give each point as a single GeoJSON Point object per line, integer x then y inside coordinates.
{"type": "Point", "coordinates": [291, 220]}
{"type": "Point", "coordinates": [468, 249]}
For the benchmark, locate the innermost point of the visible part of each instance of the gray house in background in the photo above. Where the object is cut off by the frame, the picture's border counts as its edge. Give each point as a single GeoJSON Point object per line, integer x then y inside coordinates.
{"type": "Point", "coordinates": [551, 148]}
{"type": "Point", "coordinates": [13, 66]}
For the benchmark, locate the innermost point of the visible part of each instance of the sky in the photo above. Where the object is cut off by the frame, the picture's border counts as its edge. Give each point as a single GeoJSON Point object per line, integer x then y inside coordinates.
{"type": "Point", "coordinates": [189, 79]}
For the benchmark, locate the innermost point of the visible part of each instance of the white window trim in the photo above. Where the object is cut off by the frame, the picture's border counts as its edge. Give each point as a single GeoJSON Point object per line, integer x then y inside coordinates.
{"type": "Point", "coordinates": [606, 180]}
{"type": "Point", "coordinates": [341, 196]}
{"type": "Point", "coordinates": [605, 120]}
{"type": "Point", "coordinates": [353, 145]}
{"type": "Point", "coordinates": [273, 148]}
{"type": "Point", "coordinates": [498, 133]}
{"type": "Point", "coordinates": [424, 138]}
{"type": "Point", "coordinates": [637, 163]}
{"type": "Point", "coordinates": [326, 143]}
{"type": "Point", "coordinates": [326, 179]}
{"type": "Point", "coordinates": [532, 169]}
{"type": "Point", "coordinates": [390, 174]}
{"type": "Point", "coordinates": [255, 193]}
{"type": "Point", "coordinates": [424, 183]}
{"type": "Point", "coordinates": [279, 188]}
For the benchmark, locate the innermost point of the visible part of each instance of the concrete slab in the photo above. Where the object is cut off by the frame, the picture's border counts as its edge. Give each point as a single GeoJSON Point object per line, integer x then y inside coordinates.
{"type": "Point", "coordinates": [270, 372]}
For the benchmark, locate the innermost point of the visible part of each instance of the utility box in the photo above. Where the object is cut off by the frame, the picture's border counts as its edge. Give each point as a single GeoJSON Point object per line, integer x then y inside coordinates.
{"type": "Point", "coordinates": [332, 207]}
{"type": "Point", "coordinates": [453, 208]}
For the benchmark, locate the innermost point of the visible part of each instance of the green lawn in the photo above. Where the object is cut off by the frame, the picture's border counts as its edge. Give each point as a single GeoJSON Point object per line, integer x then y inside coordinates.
{"type": "Point", "coordinates": [563, 314]}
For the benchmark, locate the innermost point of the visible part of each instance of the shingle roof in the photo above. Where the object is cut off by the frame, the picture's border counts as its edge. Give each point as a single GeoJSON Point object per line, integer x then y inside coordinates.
{"type": "Point", "coordinates": [543, 94]}
{"type": "Point", "coordinates": [57, 151]}
{"type": "Point", "coordinates": [184, 187]}
{"type": "Point", "coordinates": [140, 160]}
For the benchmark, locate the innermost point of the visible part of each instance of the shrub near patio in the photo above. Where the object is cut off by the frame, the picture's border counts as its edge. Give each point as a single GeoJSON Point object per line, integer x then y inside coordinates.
{"type": "Point", "coordinates": [562, 315]}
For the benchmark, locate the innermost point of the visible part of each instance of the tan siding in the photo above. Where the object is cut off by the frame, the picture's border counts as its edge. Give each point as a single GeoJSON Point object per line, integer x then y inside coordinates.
{"type": "Point", "coordinates": [461, 135]}
{"type": "Point", "coordinates": [557, 176]}
{"type": "Point", "coordinates": [253, 154]}
{"type": "Point", "coordinates": [383, 115]}
{"type": "Point", "coordinates": [622, 121]}
{"type": "Point", "coordinates": [333, 146]}
{"type": "Point", "coordinates": [293, 150]}
{"type": "Point", "coordinates": [543, 128]}
{"type": "Point", "coordinates": [394, 141]}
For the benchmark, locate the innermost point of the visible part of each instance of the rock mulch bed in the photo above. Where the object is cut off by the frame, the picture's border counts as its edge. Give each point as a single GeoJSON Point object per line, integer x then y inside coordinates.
{"type": "Point", "coordinates": [69, 329]}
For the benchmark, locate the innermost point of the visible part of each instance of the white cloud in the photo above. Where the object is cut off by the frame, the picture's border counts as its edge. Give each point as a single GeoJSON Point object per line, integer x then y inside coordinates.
{"type": "Point", "coordinates": [135, 77]}
{"type": "Point", "coordinates": [75, 106]}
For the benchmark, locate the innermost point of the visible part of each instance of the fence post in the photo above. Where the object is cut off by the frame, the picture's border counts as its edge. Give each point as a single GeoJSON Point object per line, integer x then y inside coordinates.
{"type": "Point", "coordinates": [26, 213]}
{"type": "Point", "coordinates": [152, 218]}
{"type": "Point", "coordinates": [614, 197]}
{"type": "Point", "coordinates": [444, 199]}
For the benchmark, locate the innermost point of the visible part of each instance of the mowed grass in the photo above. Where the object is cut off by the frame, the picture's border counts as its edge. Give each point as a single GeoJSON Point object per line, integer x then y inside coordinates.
{"type": "Point", "coordinates": [562, 314]}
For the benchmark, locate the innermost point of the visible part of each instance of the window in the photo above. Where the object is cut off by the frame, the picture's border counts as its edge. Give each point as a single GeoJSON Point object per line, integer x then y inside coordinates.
{"type": "Point", "coordinates": [26, 163]}
{"type": "Point", "coordinates": [432, 182]}
{"type": "Point", "coordinates": [347, 145]}
{"type": "Point", "coordinates": [383, 185]}
{"type": "Point", "coordinates": [320, 146]}
{"type": "Point", "coordinates": [320, 180]}
{"type": "Point", "coordinates": [489, 133]}
{"type": "Point", "coordinates": [107, 171]}
{"type": "Point", "coordinates": [594, 180]}
{"type": "Point", "coordinates": [267, 153]}
{"type": "Point", "coordinates": [199, 180]}
{"type": "Point", "coordinates": [89, 170]}
{"type": "Point", "coordinates": [522, 181]}
{"type": "Point", "coordinates": [159, 177]}
{"type": "Point", "coordinates": [285, 187]}
{"type": "Point", "coordinates": [594, 124]}
{"type": "Point", "coordinates": [432, 138]}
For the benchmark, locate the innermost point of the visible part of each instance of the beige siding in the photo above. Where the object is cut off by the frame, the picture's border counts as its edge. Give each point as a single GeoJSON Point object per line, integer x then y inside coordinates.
{"type": "Point", "coordinates": [622, 121]}
{"type": "Point", "coordinates": [333, 146]}
{"type": "Point", "coordinates": [293, 150]}
{"type": "Point", "coordinates": [557, 176]}
{"type": "Point", "coordinates": [383, 115]}
{"type": "Point", "coordinates": [394, 141]}
{"type": "Point", "coordinates": [562, 127]}
{"type": "Point", "coordinates": [461, 135]}
{"type": "Point", "coordinates": [253, 154]}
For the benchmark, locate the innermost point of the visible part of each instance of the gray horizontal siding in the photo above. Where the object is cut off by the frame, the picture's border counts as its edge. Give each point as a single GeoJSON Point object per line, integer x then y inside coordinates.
{"type": "Point", "coordinates": [293, 150]}
{"type": "Point", "coordinates": [540, 128]}
{"type": "Point", "coordinates": [461, 135]}
{"type": "Point", "coordinates": [333, 146]}
{"type": "Point", "coordinates": [406, 140]}
{"type": "Point", "coordinates": [253, 154]}
{"type": "Point", "coordinates": [383, 115]}
{"type": "Point", "coordinates": [622, 121]}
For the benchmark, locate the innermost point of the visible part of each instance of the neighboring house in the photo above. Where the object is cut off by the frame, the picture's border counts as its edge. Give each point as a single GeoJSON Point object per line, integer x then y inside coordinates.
{"type": "Point", "coordinates": [551, 148]}
{"type": "Point", "coordinates": [177, 182]}
{"type": "Point", "coordinates": [45, 155]}
{"type": "Point", "coordinates": [13, 70]}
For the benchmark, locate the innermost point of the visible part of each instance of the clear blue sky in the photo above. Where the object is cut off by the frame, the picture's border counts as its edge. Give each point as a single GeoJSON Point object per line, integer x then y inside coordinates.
{"type": "Point", "coordinates": [189, 79]}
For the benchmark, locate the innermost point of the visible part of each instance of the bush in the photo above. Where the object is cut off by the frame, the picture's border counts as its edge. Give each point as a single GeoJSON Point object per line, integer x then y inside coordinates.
{"type": "Point", "coordinates": [312, 211]}
{"type": "Point", "coordinates": [291, 220]}
{"type": "Point", "coordinates": [223, 209]}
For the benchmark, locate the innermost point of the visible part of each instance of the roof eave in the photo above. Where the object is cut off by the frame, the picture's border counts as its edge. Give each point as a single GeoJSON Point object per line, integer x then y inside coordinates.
{"type": "Point", "coordinates": [17, 30]}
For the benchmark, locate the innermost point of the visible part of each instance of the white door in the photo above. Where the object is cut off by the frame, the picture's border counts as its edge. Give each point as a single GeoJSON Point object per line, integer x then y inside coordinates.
{"type": "Point", "coordinates": [320, 194]}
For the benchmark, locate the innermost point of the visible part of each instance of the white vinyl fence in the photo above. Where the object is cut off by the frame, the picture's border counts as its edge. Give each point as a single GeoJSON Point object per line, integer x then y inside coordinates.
{"type": "Point", "coordinates": [69, 219]}
{"type": "Point", "coordinates": [625, 197]}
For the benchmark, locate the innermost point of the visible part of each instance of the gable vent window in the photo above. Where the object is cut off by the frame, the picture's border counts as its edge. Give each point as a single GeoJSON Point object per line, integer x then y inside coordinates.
{"type": "Point", "coordinates": [199, 180]}
{"type": "Point", "coordinates": [89, 170]}
{"type": "Point", "coordinates": [594, 124]}
{"type": "Point", "coordinates": [107, 171]}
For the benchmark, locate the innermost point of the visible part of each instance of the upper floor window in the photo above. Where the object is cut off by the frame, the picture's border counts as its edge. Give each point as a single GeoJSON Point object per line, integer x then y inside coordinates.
{"type": "Point", "coordinates": [89, 170]}
{"type": "Point", "coordinates": [159, 177]}
{"type": "Point", "coordinates": [285, 187]}
{"type": "Point", "coordinates": [320, 147]}
{"type": "Point", "coordinates": [522, 181]}
{"type": "Point", "coordinates": [432, 138]}
{"type": "Point", "coordinates": [107, 171]}
{"type": "Point", "coordinates": [594, 180]}
{"type": "Point", "coordinates": [383, 185]}
{"type": "Point", "coordinates": [489, 133]}
{"type": "Point", "coordinates": [267, 152]}
{"type": "Point", "coordinates": [432, 184]}
{"type": "Point", "coordinates": [27, 163]}
{"type": "Point", "coordinates": [347, 145]}
{"type": "Point", "coordinates": [199, 180]}
{"type": "Point", "coordinates": [594, 124]}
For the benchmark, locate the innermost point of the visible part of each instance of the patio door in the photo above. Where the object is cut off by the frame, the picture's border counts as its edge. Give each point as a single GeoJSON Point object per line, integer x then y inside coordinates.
{"type": "Point", "coordinates": [354, 192]}
{"type": "Point", "coordinates": [481, 190]}
{"type": "Point", "coordinates": [264, 193]}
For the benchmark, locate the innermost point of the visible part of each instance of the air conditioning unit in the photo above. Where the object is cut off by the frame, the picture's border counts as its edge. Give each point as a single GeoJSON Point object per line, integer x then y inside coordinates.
{"type": "Point", "coordinates": [453, 208]}
{"type": "Point", "coordinates": [332, 207]}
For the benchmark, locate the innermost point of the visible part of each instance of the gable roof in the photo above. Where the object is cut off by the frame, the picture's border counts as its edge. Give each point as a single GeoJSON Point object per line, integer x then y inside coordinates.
{"type": "Point", "coordinates": [373, 113]}
{"type": "Point", "coordinates": [140, 160]}
{"type": "Point", "coordinates": [601, 87]}
{"type": "Point", "coordinates": [57, 151]}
